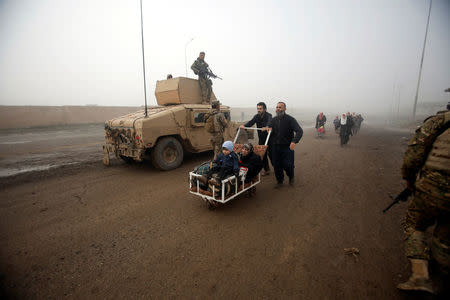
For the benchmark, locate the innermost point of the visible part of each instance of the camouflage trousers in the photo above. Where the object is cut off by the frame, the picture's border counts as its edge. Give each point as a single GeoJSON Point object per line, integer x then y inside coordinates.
{"type": "Point", "coordinates": [425, 210]}
{"type": "Point", "coordinates": [216, 143]}
{"type": "Point", "coordinates": [206, 88]}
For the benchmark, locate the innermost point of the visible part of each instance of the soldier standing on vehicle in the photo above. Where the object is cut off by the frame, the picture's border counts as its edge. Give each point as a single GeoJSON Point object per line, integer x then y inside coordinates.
{"type": "Point", "coordinates": [262, 119]}
{"type": "Point", "coordinates": [216, 122]}
{"type": "Point", "coordinates": [283, 143]}
{"type": "Point", "coordinates": [200, 68]}
{"type": "Point", "coordinates": [426, 169]}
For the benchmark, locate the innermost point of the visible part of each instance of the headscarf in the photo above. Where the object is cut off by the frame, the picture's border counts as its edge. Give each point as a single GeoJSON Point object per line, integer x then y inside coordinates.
{"type": "Point", "coordinates": [343, 119]}
{"type": "Point", "coordinates": [248, 146]}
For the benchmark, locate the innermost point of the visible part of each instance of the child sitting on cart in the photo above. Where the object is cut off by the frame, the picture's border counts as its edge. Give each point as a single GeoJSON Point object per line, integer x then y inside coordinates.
{"type": "Point", "coordinates": [251, 161]}
{"type": "Point", "coordinates": [226, 164]}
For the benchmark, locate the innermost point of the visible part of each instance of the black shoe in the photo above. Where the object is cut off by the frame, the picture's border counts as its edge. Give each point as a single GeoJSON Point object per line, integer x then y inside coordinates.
{"type": "Point", "coordinates": [291, 180]}
{"type": "Point", "coordinates": [279, 185]}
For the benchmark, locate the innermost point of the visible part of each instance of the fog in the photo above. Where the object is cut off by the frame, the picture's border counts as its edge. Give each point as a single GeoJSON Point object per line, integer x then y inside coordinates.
{"type": "Point", "coordinates": [334, 55]}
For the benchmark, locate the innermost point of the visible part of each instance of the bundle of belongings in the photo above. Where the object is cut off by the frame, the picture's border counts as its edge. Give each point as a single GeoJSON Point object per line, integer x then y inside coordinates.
{"type": "Point", "coordinates": [235, 160]}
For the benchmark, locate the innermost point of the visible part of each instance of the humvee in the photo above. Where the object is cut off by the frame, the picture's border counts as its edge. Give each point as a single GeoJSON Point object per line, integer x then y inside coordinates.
{"type": "Point", "coordinates": [175, 126]}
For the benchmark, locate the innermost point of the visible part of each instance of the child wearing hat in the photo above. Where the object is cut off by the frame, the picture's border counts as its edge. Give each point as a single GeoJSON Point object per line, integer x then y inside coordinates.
{"type": "Point", "coordinates": [226, 163]}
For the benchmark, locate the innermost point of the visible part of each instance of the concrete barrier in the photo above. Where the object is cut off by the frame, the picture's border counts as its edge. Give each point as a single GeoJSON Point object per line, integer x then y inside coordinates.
{"type": "Point", "coordinates": [35, 116]}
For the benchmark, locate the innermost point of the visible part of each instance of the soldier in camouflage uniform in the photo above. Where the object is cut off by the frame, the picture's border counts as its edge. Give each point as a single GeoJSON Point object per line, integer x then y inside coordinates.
{"type": "Point", "coordinates": [200, 68]}
{"type": "Point", "coordinates": [426, 168]}
{"type": "Point", "coordinates": [220, 123]}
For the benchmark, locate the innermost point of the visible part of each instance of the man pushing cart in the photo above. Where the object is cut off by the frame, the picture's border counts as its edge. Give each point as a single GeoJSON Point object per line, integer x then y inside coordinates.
{"type": "Point", "coordinates": [221, 180]}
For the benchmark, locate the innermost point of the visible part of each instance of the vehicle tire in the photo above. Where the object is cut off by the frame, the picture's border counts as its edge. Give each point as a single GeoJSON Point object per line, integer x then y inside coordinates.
{"type": "Point", "coordinates": [167, 154]}
{"type": "Point", "coordinates": [126, 159]}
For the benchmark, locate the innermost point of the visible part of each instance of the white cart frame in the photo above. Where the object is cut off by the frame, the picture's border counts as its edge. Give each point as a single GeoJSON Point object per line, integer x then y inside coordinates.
{"type": "Point", "coordinates": [238, 190]}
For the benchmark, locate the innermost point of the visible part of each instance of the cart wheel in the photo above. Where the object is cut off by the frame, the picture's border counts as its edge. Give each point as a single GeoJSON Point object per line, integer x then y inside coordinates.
{"type": "Point", "coordinates": [212, 205]}
{"type": "Point", "coordinates": [251, 192]}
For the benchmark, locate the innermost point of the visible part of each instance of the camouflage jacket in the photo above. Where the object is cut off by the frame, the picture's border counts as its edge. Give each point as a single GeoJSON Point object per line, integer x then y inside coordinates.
{"type": "Point", "coordinates": [200, 67]}
{"type": "Point", "coordinates": [220, 122]}
{"type": "Point", "coordinates": [421, 143]}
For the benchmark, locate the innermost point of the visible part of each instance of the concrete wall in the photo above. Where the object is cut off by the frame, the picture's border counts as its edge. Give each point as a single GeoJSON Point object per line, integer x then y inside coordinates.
{"type": "Point", "coordinates": [33, 116]}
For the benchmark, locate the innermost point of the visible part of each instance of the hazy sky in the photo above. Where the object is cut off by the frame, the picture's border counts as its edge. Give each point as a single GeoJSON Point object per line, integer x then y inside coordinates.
{"type": "Point", "coordinates": [334, 54]}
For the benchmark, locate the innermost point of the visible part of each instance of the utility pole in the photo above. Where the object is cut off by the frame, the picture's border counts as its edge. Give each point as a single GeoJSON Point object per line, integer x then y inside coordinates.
{"type": "Point", "coordinates": [398, 103]}
{"type": "Point", "coordinates": [421, 63]}
{"type": "Point", "coordinates": [185, 54]}
{"type": "Point", "coordinates": [392, 105]}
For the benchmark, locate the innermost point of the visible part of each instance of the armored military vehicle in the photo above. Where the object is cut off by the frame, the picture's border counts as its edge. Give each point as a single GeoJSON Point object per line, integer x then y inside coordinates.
{"type": "Point", "coordinates": [175, 126]}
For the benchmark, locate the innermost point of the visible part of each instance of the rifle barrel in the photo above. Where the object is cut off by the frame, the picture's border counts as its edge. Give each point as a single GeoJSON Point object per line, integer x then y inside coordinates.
{"type": "Point", "coordinates": [390, 205]}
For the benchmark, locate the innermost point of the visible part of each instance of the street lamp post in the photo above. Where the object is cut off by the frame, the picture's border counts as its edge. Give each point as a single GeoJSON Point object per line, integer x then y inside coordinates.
{"type": "Point", "coordinates": [185, 55]}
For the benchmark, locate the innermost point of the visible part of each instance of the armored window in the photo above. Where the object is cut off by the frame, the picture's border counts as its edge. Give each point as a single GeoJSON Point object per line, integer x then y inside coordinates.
{"type": "Point", "coordinates": [199, 117]}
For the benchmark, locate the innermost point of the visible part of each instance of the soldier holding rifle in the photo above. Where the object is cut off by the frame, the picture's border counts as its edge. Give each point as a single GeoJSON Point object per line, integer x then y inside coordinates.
{"type": "Point", "coordinates": [426, 169]}
{"type": "Point", "coordinates": [201, 68]}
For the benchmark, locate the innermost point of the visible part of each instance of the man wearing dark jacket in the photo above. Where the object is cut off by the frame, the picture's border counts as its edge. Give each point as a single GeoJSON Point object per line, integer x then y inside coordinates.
{"type": "Point", "coordinates": [283, 143]}
{"type": "Point", "coordinates": [261, 119]}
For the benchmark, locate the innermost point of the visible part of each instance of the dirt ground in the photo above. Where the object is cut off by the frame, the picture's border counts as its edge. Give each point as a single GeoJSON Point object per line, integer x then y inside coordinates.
{"type": "Point", "coordinates": [130, 231]}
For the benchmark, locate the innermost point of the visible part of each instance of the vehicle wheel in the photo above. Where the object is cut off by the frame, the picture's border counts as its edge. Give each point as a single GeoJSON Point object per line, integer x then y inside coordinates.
{"type": "Point", "coordinates": [126, 159]}
{"type": "Point", "coordinates": [167, 154]}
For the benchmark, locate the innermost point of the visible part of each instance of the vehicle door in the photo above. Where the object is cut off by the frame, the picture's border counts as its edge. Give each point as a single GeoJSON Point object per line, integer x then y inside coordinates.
{"type": "Point", "coordinates": [198, 136]}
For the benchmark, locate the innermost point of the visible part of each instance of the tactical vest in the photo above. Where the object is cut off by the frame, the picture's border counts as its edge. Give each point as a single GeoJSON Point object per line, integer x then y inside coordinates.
{"type": "Point", "coordinates": [218, 127]}
{"type": "Point", "coordinates": [439, 157]}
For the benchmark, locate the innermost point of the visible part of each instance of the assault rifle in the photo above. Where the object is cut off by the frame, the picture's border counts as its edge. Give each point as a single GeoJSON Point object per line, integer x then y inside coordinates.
{"type": "Point", "coordinates": [402, 197]}
{"type": "Point", "coordinates": [209, 73]}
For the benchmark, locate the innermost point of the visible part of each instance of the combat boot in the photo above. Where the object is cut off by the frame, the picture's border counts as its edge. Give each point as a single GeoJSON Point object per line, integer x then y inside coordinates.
{"type": "Point", "coordinates": [420, 279]}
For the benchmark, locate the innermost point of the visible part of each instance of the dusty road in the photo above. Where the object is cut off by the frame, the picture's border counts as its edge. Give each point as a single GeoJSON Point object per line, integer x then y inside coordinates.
{"type": "Point", "coordinates": [129, 231]}
{"type": "Point", "coordinates": [44, 148]}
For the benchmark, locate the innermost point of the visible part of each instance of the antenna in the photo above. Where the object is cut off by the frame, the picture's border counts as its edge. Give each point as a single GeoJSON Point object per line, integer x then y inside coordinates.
{"type": "Point", "coordinates": [185, 55]}
{"type": "Point", "coordinates": [143, 62]}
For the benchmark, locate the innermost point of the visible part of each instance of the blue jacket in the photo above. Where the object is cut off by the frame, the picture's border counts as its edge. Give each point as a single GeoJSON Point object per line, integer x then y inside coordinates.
{"type": "Point", "coordinates": [230, 162]}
